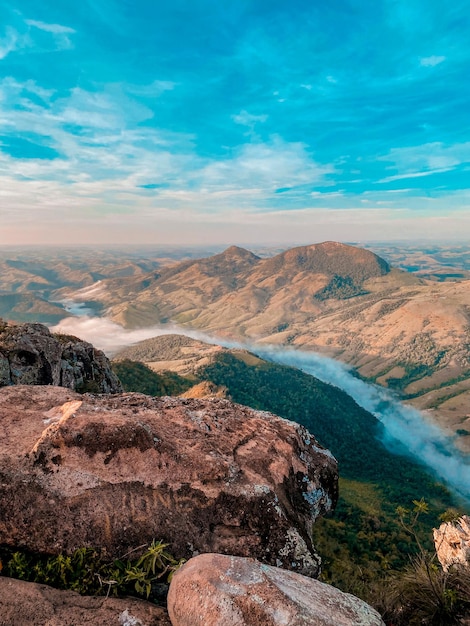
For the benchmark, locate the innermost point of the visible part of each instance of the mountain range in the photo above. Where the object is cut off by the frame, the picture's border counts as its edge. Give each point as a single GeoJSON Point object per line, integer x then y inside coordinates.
{"type": "Point", "coordinates": [397, 329]}
{"type": "Point", "coordinates": [407, 329]}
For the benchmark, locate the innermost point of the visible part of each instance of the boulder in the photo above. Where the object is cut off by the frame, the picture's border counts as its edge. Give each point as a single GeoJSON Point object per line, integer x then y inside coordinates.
{"type": "Point", "coordinates": [31, 355]}
{"type": "Point", "coordinates": [24, 603]}
{"type": "Point", "coordinates": [218, 590]}
{"type": "Point", "coordinates": [452, 542]}
{"type": "Point", "coordinates": [115, 472]}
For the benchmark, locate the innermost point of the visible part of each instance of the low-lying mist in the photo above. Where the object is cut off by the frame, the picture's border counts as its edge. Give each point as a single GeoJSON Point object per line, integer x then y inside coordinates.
{"type": "Point", "coordinates": [406, 430]}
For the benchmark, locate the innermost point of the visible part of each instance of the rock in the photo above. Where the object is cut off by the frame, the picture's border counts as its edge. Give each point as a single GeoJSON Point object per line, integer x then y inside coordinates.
{"type": "Point", "coordinates": [24, 603]}
{"type": "Point", "coordinates": [115, 472]}
{"type": "Point", "coordinates": [206, 389]}
{"type": "Point", "coordinates": [452, 542]}
{"type": "Point", "coordinates": [218, 590]}
{"type": "Point", "coordinates": [31, 355]}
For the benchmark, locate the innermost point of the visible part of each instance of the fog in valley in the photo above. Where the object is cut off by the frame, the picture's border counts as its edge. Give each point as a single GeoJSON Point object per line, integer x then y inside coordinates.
{"type": "Point", "coordinates": [405, 430]}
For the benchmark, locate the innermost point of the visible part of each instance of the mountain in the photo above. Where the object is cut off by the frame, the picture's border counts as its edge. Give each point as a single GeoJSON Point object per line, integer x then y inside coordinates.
{"type": "Point", "coordinates": [28, 307]}
{"type": "Point", "coordinates": [178, 353]}
{"type": "Point", "coordinates": [405, 330]}
{"type": "Point", "coordinates": [395, 328]}
{"type": "Point", "coordinates": [236, 288]}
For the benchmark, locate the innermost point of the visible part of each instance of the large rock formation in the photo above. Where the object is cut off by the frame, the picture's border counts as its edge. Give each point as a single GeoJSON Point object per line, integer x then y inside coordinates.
{"type": "Point", "coordinates": [117, 471]}
{"type": "Point", "coordinates": [452, 542]}
{"type": "Point", "coordinates": [31, 355]}
{"type": "Point", "coordinates": [217, 590]}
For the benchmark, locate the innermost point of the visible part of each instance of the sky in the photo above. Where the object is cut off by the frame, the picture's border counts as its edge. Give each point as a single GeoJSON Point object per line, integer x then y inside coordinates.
{"type": "Point", "coordinates": [233, 121]}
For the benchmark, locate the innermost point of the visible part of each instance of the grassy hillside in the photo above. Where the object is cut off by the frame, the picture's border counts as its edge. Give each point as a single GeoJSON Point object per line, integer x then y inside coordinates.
{"type": "Point", "coordinates": [136, 376]}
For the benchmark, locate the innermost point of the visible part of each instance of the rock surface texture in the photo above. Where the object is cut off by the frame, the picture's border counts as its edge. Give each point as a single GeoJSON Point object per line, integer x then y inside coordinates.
{"type": "Point", "coordinates": [218, 590]}
{"type": "Point", "coordinates": [31, 355]}
{"type": "Point", "coordinates": [117, 471]}
{"type": "Point", "coordinates": [452, 542]}
{"type": "Point", "coordinates": [29, 604]}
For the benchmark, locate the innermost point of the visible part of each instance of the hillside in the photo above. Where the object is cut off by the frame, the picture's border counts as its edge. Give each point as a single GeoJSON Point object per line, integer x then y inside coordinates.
{"type": "Point", "coordinates": [234, 287]}
{"type": "Point", "coordinates": [177, 353]}
{"type": "Point", "coordinates": [408, 330]}
{"type": "Point", "coordinates": [395, 328]}
{"type": "Point", "coordinates": [373, 481]}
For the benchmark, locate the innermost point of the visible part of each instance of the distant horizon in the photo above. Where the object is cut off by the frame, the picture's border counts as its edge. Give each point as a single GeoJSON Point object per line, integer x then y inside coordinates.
{"type": "Point", "coordinates": [225, 245]}
{"type": "Point", "coordinates": [211, 122]}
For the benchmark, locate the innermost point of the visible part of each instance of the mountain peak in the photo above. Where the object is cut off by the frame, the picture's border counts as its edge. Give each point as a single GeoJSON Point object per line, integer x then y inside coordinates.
{"type": "Point", "coordinates": [233, 260]}
{"type": "Point", "coordinates": [240, 253]}
{"type": "Point", "coordinates": [333, 259]}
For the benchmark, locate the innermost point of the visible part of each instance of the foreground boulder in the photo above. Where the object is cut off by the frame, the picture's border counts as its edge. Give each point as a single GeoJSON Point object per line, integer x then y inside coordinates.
{"type": "Point", "coordinates": [23, 603]}
{"type": "Point", "coordinates": [218, 590]}
{"type": "Point", "coordinates": [31, 355]}
{"type": "Point", "coordinates": [452, 542]}
{"type": "Point", "coordinates": [115, 472]}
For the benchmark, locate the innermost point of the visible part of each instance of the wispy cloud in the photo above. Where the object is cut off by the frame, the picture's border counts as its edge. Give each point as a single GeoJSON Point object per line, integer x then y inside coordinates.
{"type": "Point", "coordinates": [9, 42]}
{"type": "Point", "coordinates": [56, 29]}
{"type": "Point", "coordinates": [426, 159]}
{"type": "Point", "coordinates": [248, 119]}
{"type": "Point", "coordinates": [153, 110]}
{"type": "Point", "coordinates": [432, 61]}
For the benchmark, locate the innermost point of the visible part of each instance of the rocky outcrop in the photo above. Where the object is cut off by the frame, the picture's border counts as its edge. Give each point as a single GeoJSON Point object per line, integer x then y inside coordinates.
{"type": "Point", "coordinates": [23, 603]}
{"type": "Point", "coordinates": [115, 472]}
{"type": "Point", "coordinates": [217, 590]}
{"type": "Point", "coordinates": [452, 542]}
{"type": "Point", "coordinates": [31, 355]}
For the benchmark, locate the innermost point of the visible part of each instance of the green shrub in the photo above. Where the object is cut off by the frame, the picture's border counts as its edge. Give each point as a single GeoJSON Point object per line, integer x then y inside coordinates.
{"type": "Point", "coordinates": [89, 572]}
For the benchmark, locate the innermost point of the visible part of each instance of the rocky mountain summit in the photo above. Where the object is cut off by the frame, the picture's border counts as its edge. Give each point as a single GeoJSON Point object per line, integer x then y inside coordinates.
{"type": "Point", "coordinates": [115, 471]}
{"type": "Point", "coordinates": [31, 355]}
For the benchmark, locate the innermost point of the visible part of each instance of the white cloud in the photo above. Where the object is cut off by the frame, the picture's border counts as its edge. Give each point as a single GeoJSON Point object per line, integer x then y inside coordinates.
{"type": "Point", "coordinates": [60, 33]}
{"type": "Point", "coordinates": [154, 89]}
{"type": "Point", "coordinates": [389, 179]}
{"type": "Point", "coordinates": [9, 42]}
{"type": "Point", "coordinates": [266, 166]}
{"type": "Point", "coordinates": [56, 29]}
{"type": "Point", "coordinates": [426, 159]}
{"type": "Point", "coordinates": [431, 61]}
{"type": "Point", "coordinates": [248, 119]}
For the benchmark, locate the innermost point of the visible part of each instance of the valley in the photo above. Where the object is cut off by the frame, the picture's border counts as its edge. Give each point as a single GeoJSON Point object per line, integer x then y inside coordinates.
{"type": "Point", "coordinates": [401, 320]}
{"type": "Point", "coordinates": [363, 539]}
{"type": "Point", "coordinates": [280, 328]}
{"type": "Point", "coordinates": [396, 328]}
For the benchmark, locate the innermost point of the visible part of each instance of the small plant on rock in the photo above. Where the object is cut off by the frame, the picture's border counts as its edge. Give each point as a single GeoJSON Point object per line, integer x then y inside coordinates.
{"type": "Point", "coordinates": [89, 572]}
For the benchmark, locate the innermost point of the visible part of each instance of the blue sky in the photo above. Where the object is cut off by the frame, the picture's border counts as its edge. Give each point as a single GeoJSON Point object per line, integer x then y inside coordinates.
{"type": "Point", "coordinates": [234, 121]}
